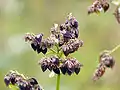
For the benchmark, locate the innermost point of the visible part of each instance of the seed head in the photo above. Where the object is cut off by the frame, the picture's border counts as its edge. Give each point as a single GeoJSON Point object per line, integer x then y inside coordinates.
{"type": "Point", "coordinates": [72, 46]}
{"type": "Point", "coordinates": [70, 65]}
{"type": "Point", "coordinates": [107, 60]}
{"type": "Point", "coordinates": [51, 63]}
{"type": "Point", "coordinates": [98, 6]}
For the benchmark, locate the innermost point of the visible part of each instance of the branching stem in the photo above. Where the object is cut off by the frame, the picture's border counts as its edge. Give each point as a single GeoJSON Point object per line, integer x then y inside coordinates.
{"type": "Point", "coordinates": [58, 82]}
{"type": "Point", "coordinates": [114, 49]}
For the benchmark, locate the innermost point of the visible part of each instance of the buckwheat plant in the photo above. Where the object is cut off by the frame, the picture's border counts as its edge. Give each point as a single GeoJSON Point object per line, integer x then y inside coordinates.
{"type": "Point", "coordinates": [103, 5]}
{"type": "Point", "coordinates": [62, 42]}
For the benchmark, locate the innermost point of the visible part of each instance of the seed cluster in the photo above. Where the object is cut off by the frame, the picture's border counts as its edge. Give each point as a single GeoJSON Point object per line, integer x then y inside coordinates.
{"type": "Point", "coordinates": [98, 6]}
{"type": "Point", "coordinates": [105, 61]}
{"type": "Point", "coordinates": [14, 78]}
{"type": "Point", "coordinates": [51, 63]}
{"type": "Point", "coordinates": [38, 44]}
{"type": "Point", "coordinates": [67, 66]}
{"type": "Point", "coordinates": [71, 46]}
{"type": "Point", "coordinates": [70, 65]}
{"type": "Point", "coordinates": [65, 35]}
{"type": "Point", "coordinates": [63, 41]}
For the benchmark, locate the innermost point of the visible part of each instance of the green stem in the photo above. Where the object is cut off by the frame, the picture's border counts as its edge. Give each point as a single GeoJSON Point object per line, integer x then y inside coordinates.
{"type": "Point", "coordinates": [58, 82]}
{"type": "Point", "coordinates": [58, 76]}
{"type": "Point", "coordinates": [52, 50]}
{"type": "Point", "coordinates": [114, 49]}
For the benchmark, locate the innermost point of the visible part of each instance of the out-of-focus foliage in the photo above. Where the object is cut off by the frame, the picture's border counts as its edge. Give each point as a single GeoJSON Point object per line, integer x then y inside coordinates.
{"type": "Point", "coordinates": [98, 32]}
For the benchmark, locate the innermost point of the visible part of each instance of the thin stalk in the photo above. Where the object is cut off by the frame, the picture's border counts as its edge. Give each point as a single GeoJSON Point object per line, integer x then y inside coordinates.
{"type": "Point", "coordinates": [58, 82]}
{"type": "Point", "coordinates": [114, 49]}
{"type": "Point", "coordinates": [52, 50]}
{"type": "Point", "coordinates": [58, 76]}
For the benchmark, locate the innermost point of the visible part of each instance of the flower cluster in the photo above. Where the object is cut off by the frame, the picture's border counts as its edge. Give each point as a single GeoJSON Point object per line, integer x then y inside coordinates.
{"type": "Point", "coordinates": [71, 46]}
{"type": "Point", "coordinates": [105, 61]}
{"type": "Point", "coordinates": [63, 41]}
{"type": "Point", "coordinates": [67, 66]}
{"type": "Point", "coordinates": [51, 63]}
{"type": "Point", "coordinates": [70, 65]}
{"type": "Point", "coordinates": [98, 6]}
{"type": "Point", "coordinates": [16, 79]}
{"type": "Point", "coordinates": [38, 44]}
{"type": "Point", "coordinates": [65, 36]}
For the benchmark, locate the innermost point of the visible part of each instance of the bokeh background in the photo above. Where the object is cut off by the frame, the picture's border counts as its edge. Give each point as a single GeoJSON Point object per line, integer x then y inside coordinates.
{"type": "Point", "coordinates": [99, 32]}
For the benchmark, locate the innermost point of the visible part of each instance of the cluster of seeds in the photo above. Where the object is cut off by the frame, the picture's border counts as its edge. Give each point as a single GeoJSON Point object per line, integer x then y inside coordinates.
{"type": "Point", "coordinates": [38, 44]}
{"type": "Point", "coordinates": [16, 79]}
{"type": "Point", "coordinates": [105, 61]}
{"type": "Point", "coordinates": [67, 66]}
{"type": "Point", "coordinates": [65, 35]}
{"type": "Point", "coordinates": [70, 65]}
{"type": "Point", "coordinates": [71, 46]}
{"type": "Point", "coordinates": [63, 40]}
{"type": "Point", "coordinates": [98, 6]}
{"type": "Point", "coordinates": [50, 63]}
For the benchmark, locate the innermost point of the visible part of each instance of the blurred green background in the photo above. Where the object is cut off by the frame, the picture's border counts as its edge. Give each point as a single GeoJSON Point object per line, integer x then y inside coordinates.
{"type": "Point", "coordinates": [98, 32]}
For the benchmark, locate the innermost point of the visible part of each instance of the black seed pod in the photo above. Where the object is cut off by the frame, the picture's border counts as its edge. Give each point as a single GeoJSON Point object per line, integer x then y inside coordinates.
{"type": "Point", "coordinates": [63, 69]}
{"type": "Point", "coordinates": [7, 80]}
{"type": "Point", "coordinates": [32, 81]}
